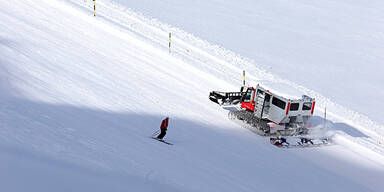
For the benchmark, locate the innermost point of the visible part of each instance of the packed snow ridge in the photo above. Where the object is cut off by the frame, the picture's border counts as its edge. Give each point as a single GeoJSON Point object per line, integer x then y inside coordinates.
{"type": "Point", "coordinates": [81, 95]}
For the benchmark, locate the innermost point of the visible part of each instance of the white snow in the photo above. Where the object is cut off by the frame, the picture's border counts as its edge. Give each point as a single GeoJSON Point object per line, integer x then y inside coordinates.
{"type": "Point", "coordinates": [333, 47]}
{"type": "Point", "coordinates": [81, 95]}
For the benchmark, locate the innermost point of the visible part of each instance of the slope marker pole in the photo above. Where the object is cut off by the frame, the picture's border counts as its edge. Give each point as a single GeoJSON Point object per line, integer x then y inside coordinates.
{"type": "Point", "coordinates": [243, 79]}
{"type": "Point", "coordinates": [169, 43]}
{"type": "Point", "coordinates": [94, 8]}
{"type": "Point", "coordinates": [325, 118]}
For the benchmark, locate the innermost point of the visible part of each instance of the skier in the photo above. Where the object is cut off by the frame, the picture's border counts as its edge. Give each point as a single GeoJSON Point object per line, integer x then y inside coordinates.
{"type": "Point", "coordinates": [280, 140]}
{"type": "Point", "coordinates": [306, 140]}
{"type": "Point", "coordinates": [163, 128]}
{"type": "Point", "coordinates": [283, 140]}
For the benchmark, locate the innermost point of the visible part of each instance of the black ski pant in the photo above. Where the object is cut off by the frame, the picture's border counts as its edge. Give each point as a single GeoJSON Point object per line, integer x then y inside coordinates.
{"type": "Point", "coordinates": [162, 134]}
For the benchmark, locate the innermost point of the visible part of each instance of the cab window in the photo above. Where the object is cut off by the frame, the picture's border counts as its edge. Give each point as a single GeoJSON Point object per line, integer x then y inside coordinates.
{"type": "Point", "coordinates": [278, 102]}
{"type": "Point", "coordinates": [307, 106]}
{"type": "Point", "coordinates": [247, 95]}
{"type": "Point", "coordinates": [294, 107]}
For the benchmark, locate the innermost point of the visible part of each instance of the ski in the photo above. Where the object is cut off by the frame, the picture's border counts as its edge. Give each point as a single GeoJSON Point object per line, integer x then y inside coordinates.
{"type": "Point", "coordinates": [161, 140]}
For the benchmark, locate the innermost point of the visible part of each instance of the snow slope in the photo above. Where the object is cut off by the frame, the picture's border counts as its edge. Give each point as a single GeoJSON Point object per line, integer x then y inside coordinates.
{"type": "Point", "coordinates": [337, 44]}
{"type": "Point", "coordinates": [80, 96]}
{"type": "Point", "coordinates": [229, 66]}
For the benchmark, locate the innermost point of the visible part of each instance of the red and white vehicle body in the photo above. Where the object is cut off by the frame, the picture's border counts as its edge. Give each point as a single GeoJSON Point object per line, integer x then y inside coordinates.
{"type": "Point", "coordinates": [280, 111]}
{"type": "Point", "coordinates": [275, 112]}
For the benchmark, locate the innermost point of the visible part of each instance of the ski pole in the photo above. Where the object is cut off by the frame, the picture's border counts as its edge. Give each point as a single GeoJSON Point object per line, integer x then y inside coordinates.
{"type": "Point", "coordinates": [155, 133]}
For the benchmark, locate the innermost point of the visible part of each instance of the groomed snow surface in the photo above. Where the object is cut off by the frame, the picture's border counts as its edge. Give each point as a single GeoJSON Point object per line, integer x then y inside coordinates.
{"type": "Point", "coordinates": [80, 97]}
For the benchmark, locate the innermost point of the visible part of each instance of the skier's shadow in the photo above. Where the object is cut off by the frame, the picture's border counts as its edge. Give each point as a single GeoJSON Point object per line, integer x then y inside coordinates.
{"type": "Point", "coordinates": [330, 125]}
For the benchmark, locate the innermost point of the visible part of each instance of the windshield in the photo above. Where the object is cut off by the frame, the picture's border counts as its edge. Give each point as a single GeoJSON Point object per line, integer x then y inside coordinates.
{"type": "Point", "coordinates": [247, 95]}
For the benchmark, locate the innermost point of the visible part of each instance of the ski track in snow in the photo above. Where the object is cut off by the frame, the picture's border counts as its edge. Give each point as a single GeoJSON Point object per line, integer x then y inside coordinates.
{"type": "Point", "coordinates": [48, 121]}
{"type": "Point", "coordinates": [227, 66]}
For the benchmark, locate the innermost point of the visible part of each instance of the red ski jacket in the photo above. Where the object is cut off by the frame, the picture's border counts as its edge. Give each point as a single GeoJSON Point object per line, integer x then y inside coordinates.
{"type": "Point", "coordinates": [164, 124]}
